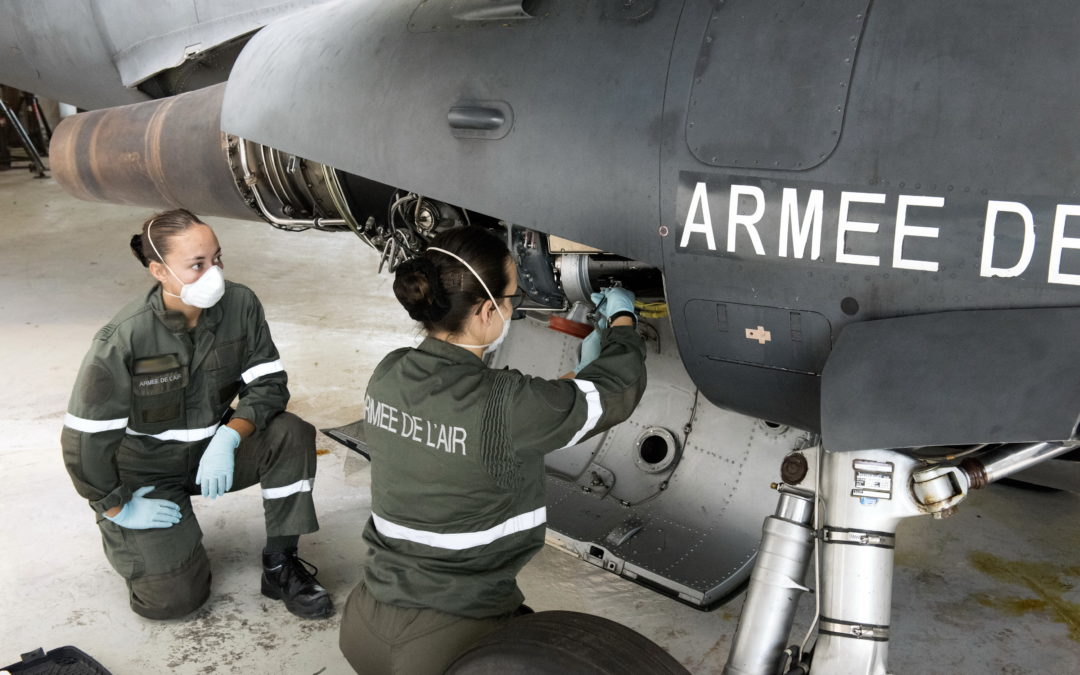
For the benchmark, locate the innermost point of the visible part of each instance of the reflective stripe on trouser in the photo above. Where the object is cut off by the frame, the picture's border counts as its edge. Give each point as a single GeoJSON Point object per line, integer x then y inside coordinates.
{"type": "Point", "coordinates": [281, 458]}
{"type": "Point", "coordinates": [167, 570]}
{"type": "Point", "coordinates": [382, 639]}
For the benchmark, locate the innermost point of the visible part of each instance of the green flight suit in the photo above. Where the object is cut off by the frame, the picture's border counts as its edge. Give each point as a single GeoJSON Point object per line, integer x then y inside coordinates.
{"type": "Point", "coordinates": [457, 490]}
{"type": "Point", "coordinates": [149, 396]}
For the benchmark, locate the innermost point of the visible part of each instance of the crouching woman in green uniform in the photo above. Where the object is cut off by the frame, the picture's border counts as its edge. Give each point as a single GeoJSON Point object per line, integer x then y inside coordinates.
{"type": "Point", "coordinates": [457, 457]}
{"type": "Point", "coordinates": [149, 425]}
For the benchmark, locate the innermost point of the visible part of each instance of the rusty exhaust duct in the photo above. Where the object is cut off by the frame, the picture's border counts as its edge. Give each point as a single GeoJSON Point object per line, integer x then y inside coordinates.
{"type": "Point", "coordinates": [162, 154]}
{"type": "Point", "coordinates": [172, 153]}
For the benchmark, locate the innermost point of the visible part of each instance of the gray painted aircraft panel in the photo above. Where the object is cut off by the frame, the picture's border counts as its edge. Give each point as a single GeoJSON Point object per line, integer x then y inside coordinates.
{"type": "Point", "coordinates": [93, 53]}
{"type": "Point", "coordinates": [585, 83]}
{"type": "Point", "coordinates": [916, 377]}
{"type": "Point", "coordinates": [954, 110]}
{"type": "Point", "coordinates": [920, 144]}
{"type": "Point", "coordinates": [54, 48]}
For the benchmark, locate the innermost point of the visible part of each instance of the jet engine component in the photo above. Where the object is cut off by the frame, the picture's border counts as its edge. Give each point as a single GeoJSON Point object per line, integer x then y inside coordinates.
{"type": "Point", "coordinates": [411, 221]}
{"type": "Point", "coordinates": [306, 194]}
{"type": "Point", "coordinates": [170, 153]}
{"type": "Point", "coordinates": [536, 270]}
{"type": "Point", "coordinates": [163, 154]}
{"type": "Point", "coordinates": [583, 274]}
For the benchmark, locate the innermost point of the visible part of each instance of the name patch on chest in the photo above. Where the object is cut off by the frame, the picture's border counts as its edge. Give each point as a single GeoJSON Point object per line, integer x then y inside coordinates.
{"type": "Point", "coordinates": [166, 378]}
{"type": "Point", "coordinates": [417, 429]}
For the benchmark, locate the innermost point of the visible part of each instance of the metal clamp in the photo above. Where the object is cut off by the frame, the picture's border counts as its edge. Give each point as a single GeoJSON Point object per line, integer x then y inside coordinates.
{"type": "Point", "coordinates": [859, 631]}
{"type": "Point", "coordinates": [831, 535]}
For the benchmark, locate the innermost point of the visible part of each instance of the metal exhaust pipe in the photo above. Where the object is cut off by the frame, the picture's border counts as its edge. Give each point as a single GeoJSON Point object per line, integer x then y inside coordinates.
{"type": "Point", "coordinates": [162, 154]}
{"type": "Point", "coordinates": [172, 153]}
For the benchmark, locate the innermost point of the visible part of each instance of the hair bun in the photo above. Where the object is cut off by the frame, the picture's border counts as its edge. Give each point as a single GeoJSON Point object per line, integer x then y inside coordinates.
{"type": "Point", "coordinates": [419, 290]}
{"type": "Point", "coordinates": [136, 249]}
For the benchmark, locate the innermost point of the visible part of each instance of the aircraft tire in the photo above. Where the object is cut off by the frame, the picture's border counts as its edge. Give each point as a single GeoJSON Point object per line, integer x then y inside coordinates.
{"type": "Point", "coordinates": [558, 642]}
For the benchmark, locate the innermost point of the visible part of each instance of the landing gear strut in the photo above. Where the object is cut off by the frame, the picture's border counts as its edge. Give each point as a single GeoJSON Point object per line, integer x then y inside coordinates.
{"type": "Point", "coordinates": [860, 499]}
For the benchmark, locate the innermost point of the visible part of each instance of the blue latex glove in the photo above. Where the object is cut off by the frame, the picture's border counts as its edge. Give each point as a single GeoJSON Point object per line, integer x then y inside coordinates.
{"type": "Point", "coordinates": [590, 349]}
{"type": "Point", "coordinates": [143, 514]}
{"type": "Point", "coordinates": [216, 466]}
{"type": "Point", "coordinates": [611, 301]}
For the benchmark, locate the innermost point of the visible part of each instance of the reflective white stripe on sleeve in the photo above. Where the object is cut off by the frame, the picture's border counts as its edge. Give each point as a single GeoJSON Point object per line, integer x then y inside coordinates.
{"type": "Point", "coordinates": [592, 398]}
{"type": "Point", "coordinates": [255, 372]}
{"type": "Point", "coordinates": [182, 435]}
{"type": "Point", "coordinates": [93, 426]}
{"type": "Point", "coordinates": [459, 541]}
{"type": "Point", "coordinates": [286, 490]}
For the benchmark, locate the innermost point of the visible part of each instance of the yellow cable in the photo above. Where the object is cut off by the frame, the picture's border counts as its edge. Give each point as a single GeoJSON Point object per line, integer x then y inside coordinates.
{"type": "Point", "coordinates": [651, 310]}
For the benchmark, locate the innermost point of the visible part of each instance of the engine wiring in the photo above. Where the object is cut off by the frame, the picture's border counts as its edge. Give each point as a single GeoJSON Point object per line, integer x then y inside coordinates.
{"type": "Point", "coordinates": [651, 310]}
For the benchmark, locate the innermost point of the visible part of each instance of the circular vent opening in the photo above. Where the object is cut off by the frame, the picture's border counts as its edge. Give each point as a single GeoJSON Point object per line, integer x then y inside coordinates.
{"type": "Point", "coordinates": [654, 449]}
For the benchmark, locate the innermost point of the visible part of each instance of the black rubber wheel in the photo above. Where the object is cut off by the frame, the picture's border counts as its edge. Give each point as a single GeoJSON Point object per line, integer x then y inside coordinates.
{"type": "Point", "coordinates": [558, 643]}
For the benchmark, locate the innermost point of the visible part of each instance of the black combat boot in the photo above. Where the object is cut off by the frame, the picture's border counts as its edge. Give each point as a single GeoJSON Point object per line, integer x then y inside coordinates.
{"type": "Point", "coordinates": [286, 577]}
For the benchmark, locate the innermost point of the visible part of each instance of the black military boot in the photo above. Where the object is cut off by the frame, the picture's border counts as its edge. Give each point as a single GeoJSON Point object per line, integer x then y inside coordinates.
{"type": "Point", "coordinates": [286, 577]}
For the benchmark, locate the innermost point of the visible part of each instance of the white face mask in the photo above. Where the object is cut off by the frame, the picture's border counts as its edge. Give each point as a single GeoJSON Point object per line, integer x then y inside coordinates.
{"type": "Point", "coordinates": [204, 292]}
{"type": "Point", "coordinates": [491, 346]}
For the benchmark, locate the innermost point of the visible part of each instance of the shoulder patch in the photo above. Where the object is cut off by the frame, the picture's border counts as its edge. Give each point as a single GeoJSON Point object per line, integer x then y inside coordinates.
{"type": "Point", "coordinates": [96, 384]}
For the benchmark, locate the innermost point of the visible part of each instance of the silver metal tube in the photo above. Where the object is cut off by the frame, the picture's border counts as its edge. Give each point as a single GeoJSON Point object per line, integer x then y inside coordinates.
{"type": "Point", "coordinates": [769, 610]}
{"type": "Point", "coordinates": [799, 509]}
{"type": "Point", "coordinates": [866, 496]}
{"type": "Point", "coordinates": [251, 181]}
{"type": "Point", "coordinates": [998, 464]}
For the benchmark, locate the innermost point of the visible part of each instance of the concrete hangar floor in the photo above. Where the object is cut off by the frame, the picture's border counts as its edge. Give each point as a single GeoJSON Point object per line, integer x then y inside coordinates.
{"type": "Point", "coordinates": [992, 589]}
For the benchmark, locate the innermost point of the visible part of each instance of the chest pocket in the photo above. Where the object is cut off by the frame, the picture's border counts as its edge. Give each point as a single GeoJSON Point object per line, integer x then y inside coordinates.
{"type": "Point", "coordinates": [158, 386]}
{"type": "Point", "coordinates": [223, 368]}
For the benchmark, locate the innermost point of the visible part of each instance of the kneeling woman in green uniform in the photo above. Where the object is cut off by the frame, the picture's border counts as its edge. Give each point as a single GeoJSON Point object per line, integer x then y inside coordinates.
{"type": "Point", "coordinates": [457, 457]}
{"type": "Point", "coordinates": [149, 425]}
